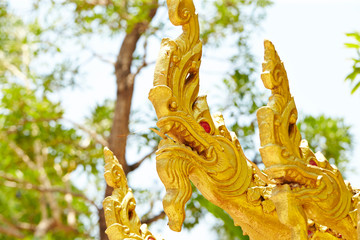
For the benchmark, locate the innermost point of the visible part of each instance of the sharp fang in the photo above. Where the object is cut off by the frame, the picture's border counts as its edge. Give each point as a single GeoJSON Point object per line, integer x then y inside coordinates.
{"type": "Point", "coordinates": [176, 125]}
{"type": "Point", "coordinates": [167, 127]}
{"type": "Point", "coordinates": [195, 144]}
{"type": "Point", "coordinates": [188, 138]}
{"type": "Point", "coordinates": [185, 133]}
{"type": "Point", "coordinates": [182, 128]}
{"type": "Point", "coordinates": [200, 148]}
{"type": "Point", "coordinates": [209, 152]}
{"type": "Point", "coordinates": [318, 180]}
{"type": "Point", "coordinates": [191, 143]}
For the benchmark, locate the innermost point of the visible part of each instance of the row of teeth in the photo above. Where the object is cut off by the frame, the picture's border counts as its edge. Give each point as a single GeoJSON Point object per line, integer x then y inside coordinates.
{"type": "Point", "coordinates": [295, 176]}
{"type": "Point", "coordinates": [298, 187]}
{"type": "Point", "coordinates": [189, 140]}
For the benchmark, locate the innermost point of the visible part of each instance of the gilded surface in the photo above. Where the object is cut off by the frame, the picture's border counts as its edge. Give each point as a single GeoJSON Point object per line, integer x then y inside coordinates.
{"type": "Point", "coordinates": [299, 195]}
{"type": "Point", "coordinates": [315, 189]}
{"type": "Point", "coordinates": [119, 208]}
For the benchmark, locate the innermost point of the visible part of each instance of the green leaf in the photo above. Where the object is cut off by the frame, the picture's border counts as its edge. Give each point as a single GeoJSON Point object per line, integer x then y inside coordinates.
{"type": "Point", "coordinates": [352, 45]}
{"type": "Point", "coordinates": [355, 88]}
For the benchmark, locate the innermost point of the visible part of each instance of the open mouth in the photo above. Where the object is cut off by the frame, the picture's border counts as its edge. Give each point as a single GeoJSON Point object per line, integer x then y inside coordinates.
{"type": "Point", "coordinates": [296, 177]}
{"type": "Point", "coordinates": [182, 132]}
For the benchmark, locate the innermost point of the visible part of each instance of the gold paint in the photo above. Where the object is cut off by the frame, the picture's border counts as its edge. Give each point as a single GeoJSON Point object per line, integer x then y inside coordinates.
{"type": "Point", "coordinates": [119, 208]}
{"type": "Point", "coordinates": [304, 191]}
{"type": "Point", "coordinates": [291, 199]}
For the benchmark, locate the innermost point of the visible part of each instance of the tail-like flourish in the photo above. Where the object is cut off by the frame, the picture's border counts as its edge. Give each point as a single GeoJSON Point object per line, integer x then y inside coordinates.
{"type": "Point", "coordinates": [173, 171]}
{"type": "Point", "coordinates": [316, 186]}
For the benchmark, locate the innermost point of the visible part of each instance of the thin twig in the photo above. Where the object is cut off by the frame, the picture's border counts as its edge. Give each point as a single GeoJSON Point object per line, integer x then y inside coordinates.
{"type": "Point", "coordinates": [11, 231]}
{"type": "Point", "coordinates": [19, 152]}
{"type": "Point", "coordinates": [97, 137]}
{"type": "Point", "coordinates": [14, 70]}
{"type": "Point", "coordinates": [101, 58]}
{"type": "Point", "coordinates": [17, 183]}
{"type": "Point", "coordinates": [148, 221]}
{"type": "Point", "coordinates": [138, 163]}
{"type": "Point", "coordinates": [18, 225]}
{"type": "Point", "coordinates": [40, 158]}
{"type": "Point", "coordinates": [144, 63]}
{"type": "Point", "coordinates": [13, 128]}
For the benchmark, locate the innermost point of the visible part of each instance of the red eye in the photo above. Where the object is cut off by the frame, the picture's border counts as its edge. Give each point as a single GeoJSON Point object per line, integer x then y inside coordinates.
{"type": "Point", "coordinates": [312, 162]}
{"type": "Point", "coordinates": [206, 126]}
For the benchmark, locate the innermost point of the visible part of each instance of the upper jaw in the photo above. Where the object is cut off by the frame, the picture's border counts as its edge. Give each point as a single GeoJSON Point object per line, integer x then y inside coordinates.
{"type": "Point", "coordinates": [182, 132]}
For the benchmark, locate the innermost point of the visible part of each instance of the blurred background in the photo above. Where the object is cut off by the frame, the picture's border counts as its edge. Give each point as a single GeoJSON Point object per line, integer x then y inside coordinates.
{"type": "Point", "coordinates": [75, 74]}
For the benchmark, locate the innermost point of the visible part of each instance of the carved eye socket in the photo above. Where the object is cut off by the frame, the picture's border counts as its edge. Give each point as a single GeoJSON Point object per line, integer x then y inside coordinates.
{"type": "Point", "coordinates": [312, 162]}
{"type": "Point", "coordinates": [291, 129]}
{"type": "Point", "coordinates": [206, 126]}
{"type": "Point", "coordinates": [130, 214]}
{"type": "Point", "coordinates": [189, 77]}
{"type": "Point", "coordinates": [131, 208]}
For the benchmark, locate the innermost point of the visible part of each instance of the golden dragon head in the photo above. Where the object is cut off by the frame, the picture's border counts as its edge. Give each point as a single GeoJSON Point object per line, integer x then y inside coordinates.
{"type": "Point", "coordinates": [195, 145]}
{"type": "Point", "coordinates": [318, 186]}
{"type": "Point", "coordinates": [198, 147]}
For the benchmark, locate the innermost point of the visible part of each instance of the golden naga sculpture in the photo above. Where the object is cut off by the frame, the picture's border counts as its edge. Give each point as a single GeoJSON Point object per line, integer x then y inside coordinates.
{"type": "Point", "coordinates": [119, 208]}
{"type": "Point", "coordinates": [299, 195]}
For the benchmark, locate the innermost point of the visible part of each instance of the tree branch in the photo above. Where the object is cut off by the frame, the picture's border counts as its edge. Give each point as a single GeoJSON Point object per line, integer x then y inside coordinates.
{"type": "Point", "coordinates": [18, 225]}
{"type": "Point", "coordinates": [124, 92]}
{"type": "Point", "coordinates": [101, 58]}
{"type": "Point", "coordinates": [148, 221]}
{"type": "Point", "coordinates": [40, 153]}
{"type": "Point", "coordinates": [17, 183]}
{"type": "Point", "coordinates": [97, 137]}
{"type": "Point", "coordinates": [19, 152]}
{"type": "Point", "coordinates": [138, 163]}
{"type": "Point", "coordinates": [13, 128]}
{"type": "Point", "coordinates": [14, 70]}
{"type": "Point", "coordinates": [125, 86]}
{"type": "Point", "coordinates": [11, 229]}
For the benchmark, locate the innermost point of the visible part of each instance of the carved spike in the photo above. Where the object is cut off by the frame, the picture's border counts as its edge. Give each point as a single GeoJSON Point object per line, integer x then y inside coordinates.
{"type": "Point", "coordinates": [209, 152]}
{"type": "Point", "coordinates": [188, 138]}
{"type": "Point", "coordinates": [165, 129]}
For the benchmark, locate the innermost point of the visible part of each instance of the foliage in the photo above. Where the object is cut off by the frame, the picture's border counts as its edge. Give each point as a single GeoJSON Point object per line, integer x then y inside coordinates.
{"type": "Point", "coordinates": [40, 150]}
{"type": "Point", "coordinates": [46, 157]}
{"type": "Point", "coordinates": [353, 77]}
{"type": "Point", "coordinates": [37, 161]}
{"type": "Point", "coordinates": [330, 136]}
{"type": "Point", "coordinates": [226, 227]}
{"type": "Point", "coordinates": [243, 100]}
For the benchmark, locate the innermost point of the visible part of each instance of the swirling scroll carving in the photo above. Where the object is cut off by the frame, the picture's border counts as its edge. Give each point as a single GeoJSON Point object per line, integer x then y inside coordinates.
{"type": "Point", "coordinates": [119, 208]}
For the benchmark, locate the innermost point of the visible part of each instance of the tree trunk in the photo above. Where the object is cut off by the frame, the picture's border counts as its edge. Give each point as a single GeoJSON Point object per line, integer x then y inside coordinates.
{"type": "Point", "coordinates": [125, 86]}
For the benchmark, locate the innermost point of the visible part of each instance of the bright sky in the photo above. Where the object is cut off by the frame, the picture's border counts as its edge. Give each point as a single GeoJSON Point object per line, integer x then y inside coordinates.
{"type": "Point", "coordinates": [309, 36]}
